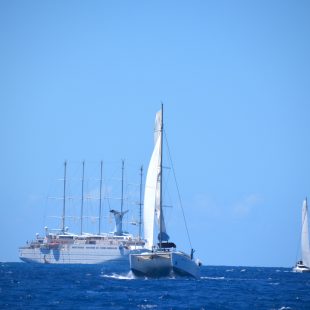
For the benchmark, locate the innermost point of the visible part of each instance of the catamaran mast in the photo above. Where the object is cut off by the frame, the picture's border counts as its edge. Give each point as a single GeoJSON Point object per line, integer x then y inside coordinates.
{"type": "Point", "coordinates": [64, 199]}
{"type": "Point", "coordinates": [100, 198]}
{"type": "Point", "coordinates": [82, 199]}
{"type": "Point", "coordinates": [140, 203]}
{"type": "Point", "coordinates": [161, 179]}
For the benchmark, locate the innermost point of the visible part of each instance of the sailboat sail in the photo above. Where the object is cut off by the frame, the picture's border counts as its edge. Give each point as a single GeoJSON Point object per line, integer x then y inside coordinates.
{"type": "Point", "coordinates": [305, 250]}
{"type": "Point", "coordinates": [152, 187]}
{"type": "Point", "coordinates": [150, 197]}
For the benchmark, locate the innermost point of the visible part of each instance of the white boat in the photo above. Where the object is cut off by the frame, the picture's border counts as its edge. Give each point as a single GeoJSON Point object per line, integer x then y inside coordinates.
{"type": "Point", "coordinates": [59, 246]}
{"type": "Point", "coordinates": [304, 264]}
{"type": "Point", "coordinates": [161, 259]}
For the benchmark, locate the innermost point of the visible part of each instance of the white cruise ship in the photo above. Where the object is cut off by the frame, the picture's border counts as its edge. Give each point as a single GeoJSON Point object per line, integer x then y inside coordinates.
{"type": "Point", "coordinates": [62, 247]}
{"type": "Point", "coordinates": [68, 248]}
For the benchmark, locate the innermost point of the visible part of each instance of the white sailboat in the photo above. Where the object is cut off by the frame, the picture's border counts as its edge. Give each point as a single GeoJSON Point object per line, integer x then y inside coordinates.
{"type": "Point", "coordinates": [161, 259]}
{"type": "Point", "coordinates": [304, 264]}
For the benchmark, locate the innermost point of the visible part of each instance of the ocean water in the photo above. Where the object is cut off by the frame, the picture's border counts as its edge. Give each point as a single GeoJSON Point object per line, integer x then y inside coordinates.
{"type": "Point", "coordinates": [28, 286]}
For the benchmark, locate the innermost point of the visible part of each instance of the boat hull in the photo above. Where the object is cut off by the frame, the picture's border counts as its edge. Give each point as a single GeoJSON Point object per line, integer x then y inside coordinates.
{"type": "Point", "coordinates": [150, 264]}
{"type": "Point", "coordinates": [160, 264]}
{"type": "Point", "coordinates": [70, 254]}
{"type": "Point", "coordinates": [301, 269]}
{"type": "Point", "coordinates": [73, 249]}
{"type": "Point", "coordinates": [183, 265]}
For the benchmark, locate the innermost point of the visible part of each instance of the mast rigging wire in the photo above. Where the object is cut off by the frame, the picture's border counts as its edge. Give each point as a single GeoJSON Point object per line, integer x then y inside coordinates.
{"type": "Point", "coordinates": [177, 186]}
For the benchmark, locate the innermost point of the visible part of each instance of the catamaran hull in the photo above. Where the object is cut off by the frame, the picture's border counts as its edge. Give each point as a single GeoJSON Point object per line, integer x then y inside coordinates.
{"type": "Point", "coordinates": [153, 265]}
{"type": "Point", "coordinates": [73, 255]}
{"type": "Point", "coordinates": [301, 269]}
{"type": "Point", "coordinates": [183, 265]}
{"type": "Point", "coordinates": [163, 264]}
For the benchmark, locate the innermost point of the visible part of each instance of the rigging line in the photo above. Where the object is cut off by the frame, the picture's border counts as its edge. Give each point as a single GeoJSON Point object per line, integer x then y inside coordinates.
{"type": "Point", "coordinates": [298, 249]}
{"type": "Point", "coordinates": [107, 197]}
{"type": "Point", "coordinates": [179, 195]}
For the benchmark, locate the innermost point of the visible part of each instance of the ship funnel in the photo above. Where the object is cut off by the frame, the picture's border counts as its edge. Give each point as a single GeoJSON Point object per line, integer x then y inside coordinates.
{"type": "Point", "coordinates": [118, 216]}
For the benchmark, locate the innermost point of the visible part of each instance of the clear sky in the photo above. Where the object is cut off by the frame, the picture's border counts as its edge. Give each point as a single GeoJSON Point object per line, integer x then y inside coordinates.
{"type": "Point", "coordinates": [82, 80]}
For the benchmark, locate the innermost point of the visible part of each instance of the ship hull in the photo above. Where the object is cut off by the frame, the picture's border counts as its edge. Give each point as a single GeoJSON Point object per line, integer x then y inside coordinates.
{"type": "Point", "coordinates": [67, 255]}
{"type": "Point", "coordinates": [74, 254]}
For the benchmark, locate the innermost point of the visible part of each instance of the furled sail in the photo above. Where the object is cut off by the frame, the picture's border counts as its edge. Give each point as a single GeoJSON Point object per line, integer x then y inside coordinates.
{"type": "Point", "coordinates": [152, 187]}
{"type": "Point", "coordinates": [305, 250]}
{"type": "Point", "coordinates": [158, 136]}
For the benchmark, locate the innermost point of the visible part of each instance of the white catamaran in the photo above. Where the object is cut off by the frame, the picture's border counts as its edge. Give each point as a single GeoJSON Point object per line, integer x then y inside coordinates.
{"type": "Point", "coordinates": [304, 264]}
{"type": "Point", "coordinates": [62, 247]}
{"type": "Point", "coordinates": [162, 259]}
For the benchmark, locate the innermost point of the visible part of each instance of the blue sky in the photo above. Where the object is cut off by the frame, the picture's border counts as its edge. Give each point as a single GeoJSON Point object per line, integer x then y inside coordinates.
{"type": "Point", "coordinates": [83, 80]}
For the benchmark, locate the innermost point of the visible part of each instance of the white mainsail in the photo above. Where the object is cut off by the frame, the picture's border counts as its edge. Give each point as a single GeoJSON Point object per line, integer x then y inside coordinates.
{"type": "Point", "coordinates": [152, 187]}
{"type": "Point", "coordinates": [150, 197]}
{"type": "Point", "coordinates": [305, 250]}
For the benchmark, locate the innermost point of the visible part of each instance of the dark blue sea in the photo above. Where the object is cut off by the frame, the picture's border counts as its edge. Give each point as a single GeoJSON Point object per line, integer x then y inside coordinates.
{"type": "Point", "coordinates": [27, 286]}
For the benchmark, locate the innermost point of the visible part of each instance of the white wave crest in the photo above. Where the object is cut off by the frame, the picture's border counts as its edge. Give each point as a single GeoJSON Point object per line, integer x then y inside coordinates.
{"type": "Point", "coordinates": [128, 276]}
{"type": "Point", "coordinates": [213, 278]}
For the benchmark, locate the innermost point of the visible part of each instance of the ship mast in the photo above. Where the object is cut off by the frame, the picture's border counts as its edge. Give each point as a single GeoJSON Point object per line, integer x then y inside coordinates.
{"type": "Point", "coordinates": [100, 198]}
{"type": "Point", "coordinates": [64, 199]}
{"type": "Point", "coordinates": [122, 199]}
{"type": "Point", "coordinates": [82, 200]}
{"type": "Point", "coordinates": [140, 203]}
{"type": "Point", "coordinates": [161, 179]}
